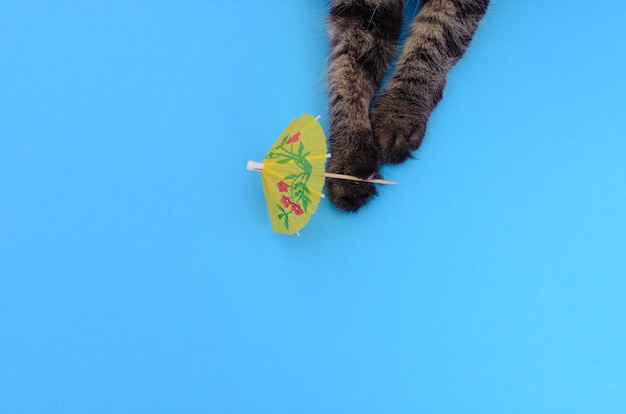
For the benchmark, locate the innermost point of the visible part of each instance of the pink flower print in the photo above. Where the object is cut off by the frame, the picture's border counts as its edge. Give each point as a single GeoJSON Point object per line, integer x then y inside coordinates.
{"type": "Point", "coordinates": [283, 187]}
{"type": "Point", "coordinates": [296, 208]}
{"type": "Point", "coordinates": [286, 201]}
{"type": "Point", "coordinates": [294, 138]}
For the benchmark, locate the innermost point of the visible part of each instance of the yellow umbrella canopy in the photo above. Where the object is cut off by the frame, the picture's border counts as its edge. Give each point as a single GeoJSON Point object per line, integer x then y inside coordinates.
{"type": "Point", "coordinates": [293, 174]}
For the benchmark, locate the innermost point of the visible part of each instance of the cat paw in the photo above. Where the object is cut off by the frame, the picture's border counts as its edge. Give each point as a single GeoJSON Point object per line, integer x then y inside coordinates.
{"type": "Point", "coordinates": [360, 159]}
{"type": "Point", "coordinates": [399, 126]}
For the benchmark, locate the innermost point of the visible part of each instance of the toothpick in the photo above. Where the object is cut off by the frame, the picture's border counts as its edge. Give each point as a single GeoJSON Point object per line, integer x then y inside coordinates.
{"type": "Point", "coordinates": [353, 178]}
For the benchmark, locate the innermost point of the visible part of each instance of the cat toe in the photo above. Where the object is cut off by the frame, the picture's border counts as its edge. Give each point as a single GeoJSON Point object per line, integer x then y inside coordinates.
{"type": "Point", "coordinates": [360, 160]}
{"type": "Point", "coordinates": [398, 128]}
{"type": "Point", "coordinates": [349, 195]}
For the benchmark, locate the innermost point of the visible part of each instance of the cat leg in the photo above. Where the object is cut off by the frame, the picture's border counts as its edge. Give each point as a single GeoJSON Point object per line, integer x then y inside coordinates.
{"type": "Point", "coordinates": [439, 36]}
{"type": "Point", "coordinates": [363, 35]}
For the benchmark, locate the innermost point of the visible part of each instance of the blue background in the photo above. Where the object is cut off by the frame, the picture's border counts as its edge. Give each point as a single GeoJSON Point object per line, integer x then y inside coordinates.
{"type": "Point", "coordinates": [139, 272]}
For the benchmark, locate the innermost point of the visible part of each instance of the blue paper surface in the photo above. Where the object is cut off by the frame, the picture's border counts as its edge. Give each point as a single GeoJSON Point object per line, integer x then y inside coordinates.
{"type": "Point", "coordinates": [139, 272]}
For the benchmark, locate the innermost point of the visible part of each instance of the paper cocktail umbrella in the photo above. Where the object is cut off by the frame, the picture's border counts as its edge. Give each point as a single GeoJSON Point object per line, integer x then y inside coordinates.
{"type": "Point", "coordinates": [293, 174]}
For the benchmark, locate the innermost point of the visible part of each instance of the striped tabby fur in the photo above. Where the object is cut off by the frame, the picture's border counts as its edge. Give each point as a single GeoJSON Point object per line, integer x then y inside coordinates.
{"type": "Point", "coordinates": [364, 36]}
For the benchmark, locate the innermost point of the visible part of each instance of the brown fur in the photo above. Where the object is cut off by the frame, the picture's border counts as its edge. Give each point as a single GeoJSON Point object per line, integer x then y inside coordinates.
{"type": "Point", "coordinates": [363, 35]}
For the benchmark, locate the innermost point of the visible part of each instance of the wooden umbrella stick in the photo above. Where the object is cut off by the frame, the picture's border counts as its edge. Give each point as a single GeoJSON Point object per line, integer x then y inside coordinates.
{"type": "Point", "coordinates": [258, 166]}
{"type": "Point", "coordinates": [353, 178]}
